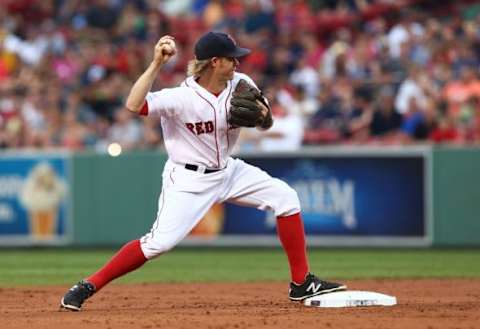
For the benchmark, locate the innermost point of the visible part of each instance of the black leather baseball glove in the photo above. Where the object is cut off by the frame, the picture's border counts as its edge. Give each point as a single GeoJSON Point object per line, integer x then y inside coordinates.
{"type": "Point", "coordinates": [249, 108]}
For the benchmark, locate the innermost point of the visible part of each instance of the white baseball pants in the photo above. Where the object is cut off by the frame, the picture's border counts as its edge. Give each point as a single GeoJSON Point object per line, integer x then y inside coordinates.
{"type": "Point", "coordinates": [187, 195]}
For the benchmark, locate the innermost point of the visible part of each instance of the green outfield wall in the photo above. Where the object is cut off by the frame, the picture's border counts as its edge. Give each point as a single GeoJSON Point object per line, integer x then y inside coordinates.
{"type": "Point", "coordinates": [456, 196]}
{"type": "Point", "coordinates": [114, 199]}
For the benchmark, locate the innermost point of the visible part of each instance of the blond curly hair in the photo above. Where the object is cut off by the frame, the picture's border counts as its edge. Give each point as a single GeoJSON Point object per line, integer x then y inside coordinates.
{"type": "Point", "coordinates": [197, 67]}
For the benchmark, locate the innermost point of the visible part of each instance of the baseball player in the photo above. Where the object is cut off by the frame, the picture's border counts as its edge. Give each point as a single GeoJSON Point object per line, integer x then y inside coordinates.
{"type": "Point", "coordinates": [200, 127]}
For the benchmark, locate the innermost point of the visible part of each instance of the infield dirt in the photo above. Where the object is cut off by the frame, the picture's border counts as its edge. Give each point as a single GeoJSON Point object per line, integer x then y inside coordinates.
{"type": "Point", "coordinates": [423, 303]}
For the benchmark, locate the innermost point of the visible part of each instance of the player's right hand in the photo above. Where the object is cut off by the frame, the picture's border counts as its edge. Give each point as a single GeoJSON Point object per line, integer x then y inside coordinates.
{"type": "Point", "coordinates": [164, 50]}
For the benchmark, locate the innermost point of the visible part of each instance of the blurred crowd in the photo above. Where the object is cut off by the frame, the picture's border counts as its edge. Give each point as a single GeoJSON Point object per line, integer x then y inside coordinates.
{"type": "Point", "coordinates": [335, 72]}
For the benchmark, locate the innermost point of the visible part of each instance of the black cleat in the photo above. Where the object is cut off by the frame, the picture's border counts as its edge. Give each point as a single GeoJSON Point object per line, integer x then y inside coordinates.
{"type": "Point", "coordinates": [313, 286]}
{"type": "Point", "coordinates": [76, 295]}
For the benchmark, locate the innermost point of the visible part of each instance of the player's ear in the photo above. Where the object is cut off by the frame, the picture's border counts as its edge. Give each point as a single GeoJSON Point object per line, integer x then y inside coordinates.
{"type": "Point", "coordinates": [215, 61]}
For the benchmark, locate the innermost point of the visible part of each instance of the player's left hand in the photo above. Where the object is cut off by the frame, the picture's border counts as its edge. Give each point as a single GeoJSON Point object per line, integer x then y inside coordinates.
{"type": "Point", "coordinates": [248, 107]}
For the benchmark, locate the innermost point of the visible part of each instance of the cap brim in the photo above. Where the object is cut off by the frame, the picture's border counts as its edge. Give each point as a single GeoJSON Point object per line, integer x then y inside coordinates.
{"type": "Point", "coordinates": [239, 52]}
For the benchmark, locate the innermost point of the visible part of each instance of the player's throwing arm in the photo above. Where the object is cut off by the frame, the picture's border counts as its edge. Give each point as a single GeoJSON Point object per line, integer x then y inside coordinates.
{"type": "Point", "coordinates": [163, 51]}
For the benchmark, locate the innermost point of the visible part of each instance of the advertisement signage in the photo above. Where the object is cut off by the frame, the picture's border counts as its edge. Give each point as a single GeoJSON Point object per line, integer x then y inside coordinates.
{"type": "Point", "coordinates": [359, 199]}
{"type": "Point", "coordinates": [345, 196]}
{"type": "Point", "coordinates": [34, 200]}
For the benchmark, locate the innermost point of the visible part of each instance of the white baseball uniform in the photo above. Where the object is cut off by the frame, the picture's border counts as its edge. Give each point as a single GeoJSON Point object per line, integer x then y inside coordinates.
{"type": "Point", "coordinates": [196, 134]}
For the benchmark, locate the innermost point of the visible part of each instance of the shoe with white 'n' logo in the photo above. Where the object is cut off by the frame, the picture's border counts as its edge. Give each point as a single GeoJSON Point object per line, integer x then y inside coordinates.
{"type": "Point", "coordinates": [313, 286]}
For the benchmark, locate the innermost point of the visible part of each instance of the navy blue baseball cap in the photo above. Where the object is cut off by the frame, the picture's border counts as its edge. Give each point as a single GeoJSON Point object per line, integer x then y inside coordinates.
{"type": "Point", "coordinates": [218, 44]}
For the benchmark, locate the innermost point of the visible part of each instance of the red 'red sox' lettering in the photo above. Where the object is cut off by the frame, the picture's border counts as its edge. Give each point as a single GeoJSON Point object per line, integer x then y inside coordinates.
{"type": "Point", "coordinates": [199, 128]}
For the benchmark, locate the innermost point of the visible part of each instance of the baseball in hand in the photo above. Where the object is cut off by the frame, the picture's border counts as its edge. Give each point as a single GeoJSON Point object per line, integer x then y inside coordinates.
{"type": "Point", "coordinates": [168, 47]}
{"type": "Point", "coordinates": [165, 49]}
{"type": "Point", "coordinates": [168, 50]}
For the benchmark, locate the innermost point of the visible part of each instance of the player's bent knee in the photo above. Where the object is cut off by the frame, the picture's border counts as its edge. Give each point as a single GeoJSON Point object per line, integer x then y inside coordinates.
{"type": "Point", "coordinates": [288, 202]}
{"type": "Point", "coordinates": [152, 248]}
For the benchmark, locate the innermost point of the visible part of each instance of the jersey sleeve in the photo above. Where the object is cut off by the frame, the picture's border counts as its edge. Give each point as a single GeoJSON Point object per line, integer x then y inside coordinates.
{"type": "Point", "coordinates": [163, 103]}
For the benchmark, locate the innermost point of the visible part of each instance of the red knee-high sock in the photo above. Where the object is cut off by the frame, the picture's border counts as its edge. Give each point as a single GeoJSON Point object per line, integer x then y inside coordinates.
{"type": "Point", "coordinates": [292, 236]}
{"type": "Point", "coordinates": [127, 259]}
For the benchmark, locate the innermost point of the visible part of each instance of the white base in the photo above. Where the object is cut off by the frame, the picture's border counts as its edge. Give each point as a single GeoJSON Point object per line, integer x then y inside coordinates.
{"type": "Point", "coordinates": [350, 299]}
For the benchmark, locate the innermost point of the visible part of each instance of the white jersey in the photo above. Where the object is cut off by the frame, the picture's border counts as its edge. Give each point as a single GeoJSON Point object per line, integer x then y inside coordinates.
{"type": "Point", "coordinates": [194, 122]}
